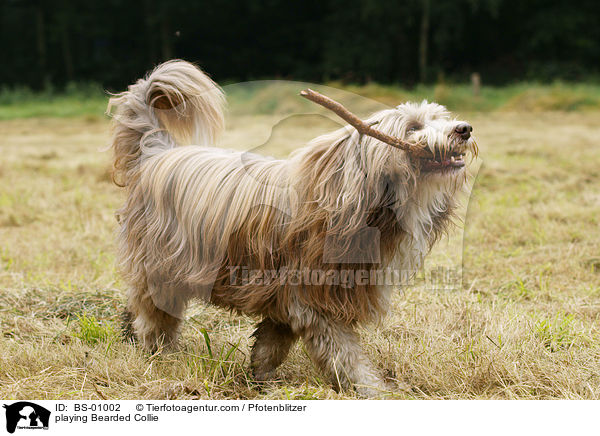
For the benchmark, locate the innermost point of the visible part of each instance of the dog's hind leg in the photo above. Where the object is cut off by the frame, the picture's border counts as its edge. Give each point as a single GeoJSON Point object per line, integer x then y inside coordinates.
{"type": "Point", "coordinates": [156, 325]}
{"type": "Point", "coordinates": [272, 345]}
{"type": "Point", "coordinates": [336, 350]}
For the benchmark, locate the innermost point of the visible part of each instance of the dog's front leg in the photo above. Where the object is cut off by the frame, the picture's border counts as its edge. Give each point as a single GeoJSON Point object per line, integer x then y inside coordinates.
{"type": "Point", "coordinates": [336, 350]}
{"type": "Point", "coordinates": [272, 345]}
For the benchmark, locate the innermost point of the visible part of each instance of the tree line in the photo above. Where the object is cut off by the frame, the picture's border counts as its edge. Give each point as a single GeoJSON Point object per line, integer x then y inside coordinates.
{"type": "Point", "coordinates": [51, 43]}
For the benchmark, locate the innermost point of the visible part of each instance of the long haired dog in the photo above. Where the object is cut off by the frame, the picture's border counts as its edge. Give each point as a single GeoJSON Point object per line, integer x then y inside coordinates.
{"type": "Point", "coordinates": [197, 217]}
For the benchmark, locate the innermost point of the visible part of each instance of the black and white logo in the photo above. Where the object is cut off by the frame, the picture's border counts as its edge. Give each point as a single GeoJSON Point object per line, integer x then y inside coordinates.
{"type": "Point", "coordinates": [26, 415]}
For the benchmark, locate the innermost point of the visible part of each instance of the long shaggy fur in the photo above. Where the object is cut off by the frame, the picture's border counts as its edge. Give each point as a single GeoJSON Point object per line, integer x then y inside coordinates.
{"type": "Point", "coordinates": [195, 215]}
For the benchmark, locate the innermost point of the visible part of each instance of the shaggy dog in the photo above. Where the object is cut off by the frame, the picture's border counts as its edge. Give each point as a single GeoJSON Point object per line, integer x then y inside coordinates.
{"type": "Point", "coordinates": [197, 217]}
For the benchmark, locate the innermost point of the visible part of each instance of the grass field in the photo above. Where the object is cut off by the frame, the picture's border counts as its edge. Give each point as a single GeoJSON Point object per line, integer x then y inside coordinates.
{"type": "Point", "coordinates": [524, 324]}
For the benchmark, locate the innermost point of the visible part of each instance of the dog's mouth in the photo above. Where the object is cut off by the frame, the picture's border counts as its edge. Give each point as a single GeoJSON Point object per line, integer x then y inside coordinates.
{"type": "Point", "coordinates": [443, 162]}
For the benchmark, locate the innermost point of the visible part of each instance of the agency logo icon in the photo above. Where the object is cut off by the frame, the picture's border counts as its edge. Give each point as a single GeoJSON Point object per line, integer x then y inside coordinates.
{"type": "Point", "coordinates": [26, 415]}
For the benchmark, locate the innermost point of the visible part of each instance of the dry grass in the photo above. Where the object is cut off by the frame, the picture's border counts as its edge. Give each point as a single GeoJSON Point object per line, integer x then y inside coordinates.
{"type": "Point", "coordinates": [524, 325]}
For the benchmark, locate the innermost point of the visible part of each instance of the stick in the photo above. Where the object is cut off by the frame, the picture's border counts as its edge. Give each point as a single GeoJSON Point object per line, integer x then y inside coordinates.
{"type": "Point", "coordinates": [362, 127]}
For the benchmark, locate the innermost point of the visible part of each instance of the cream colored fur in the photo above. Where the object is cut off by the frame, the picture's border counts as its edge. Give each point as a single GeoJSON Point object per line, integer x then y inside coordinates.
{"type": "Point", "coordinates": [195, 214]}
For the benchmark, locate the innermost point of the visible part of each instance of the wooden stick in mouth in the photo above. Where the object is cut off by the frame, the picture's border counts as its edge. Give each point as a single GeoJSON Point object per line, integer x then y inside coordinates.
{"type": "Point", "coordinates": [362, 127]}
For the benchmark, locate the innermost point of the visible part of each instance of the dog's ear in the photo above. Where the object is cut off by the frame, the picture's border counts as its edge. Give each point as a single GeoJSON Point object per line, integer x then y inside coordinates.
{"type": "Point", "coordinates": [187, 103]}
{"type": "Point", "coordinates": [159, 99]}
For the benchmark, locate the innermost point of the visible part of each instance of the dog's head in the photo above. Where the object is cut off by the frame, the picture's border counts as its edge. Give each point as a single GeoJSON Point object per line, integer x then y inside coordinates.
{"type": "Point", "coordinates": [367, 170]}
{"type": "Point", "coordinates": [430, 126]}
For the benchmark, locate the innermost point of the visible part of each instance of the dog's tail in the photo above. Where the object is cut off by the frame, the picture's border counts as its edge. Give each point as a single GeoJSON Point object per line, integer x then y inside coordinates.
{"type": "Point", "coordinates": [175, 104]}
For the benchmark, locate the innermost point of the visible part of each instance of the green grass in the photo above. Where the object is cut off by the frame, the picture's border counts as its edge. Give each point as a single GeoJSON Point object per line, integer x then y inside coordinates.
{"type": "Point", "coordinates": [268, 97]}
{"type": "Point", "coordinates": [75, 100]}
{"type": "Point", "coordinates": [557, 333]}
{"type": "Point", "coordinates": [91, 331]}
{"type": "Point", "coordinates": [518, 97]}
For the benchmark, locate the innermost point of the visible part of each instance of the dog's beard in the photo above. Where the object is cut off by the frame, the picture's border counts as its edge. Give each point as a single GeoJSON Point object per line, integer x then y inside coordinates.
{"type": "Point", "coordinates": [430, 126]}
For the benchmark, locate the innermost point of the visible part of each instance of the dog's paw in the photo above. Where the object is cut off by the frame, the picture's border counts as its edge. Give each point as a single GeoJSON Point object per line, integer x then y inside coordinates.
{"type": "Point", "coordinates": [371, 393]}
{"type": "Point", "coordinates": [264, 375]}
{"type": "Point", "coordinates": [378, 391]}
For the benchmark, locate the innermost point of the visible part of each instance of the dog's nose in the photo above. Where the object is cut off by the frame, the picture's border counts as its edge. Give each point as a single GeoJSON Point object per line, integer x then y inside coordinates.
{"type": "Point", "coordinates": [464, 130]}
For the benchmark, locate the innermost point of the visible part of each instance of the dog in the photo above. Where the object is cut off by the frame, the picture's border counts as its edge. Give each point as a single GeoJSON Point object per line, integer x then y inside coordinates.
{"type": "Point", "coordinates": [197, 217]}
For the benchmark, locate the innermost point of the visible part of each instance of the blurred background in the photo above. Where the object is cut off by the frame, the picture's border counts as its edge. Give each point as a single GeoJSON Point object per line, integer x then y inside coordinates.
{"type": "Point", "coordinates": [51, 43]}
